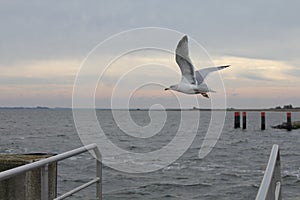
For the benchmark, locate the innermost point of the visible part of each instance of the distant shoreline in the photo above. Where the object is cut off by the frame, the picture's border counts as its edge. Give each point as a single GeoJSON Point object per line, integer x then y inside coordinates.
{"type": "Point", "coordinates": [168, 109]}
{"type": "Point", "coordinates": [268, 109]}
{"type": "Point", "coordinates": [21, 107]}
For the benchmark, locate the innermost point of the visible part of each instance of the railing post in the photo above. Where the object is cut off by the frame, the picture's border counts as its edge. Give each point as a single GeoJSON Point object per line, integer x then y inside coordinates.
{"type": "Point", "coordinates": [44, 167]}
{"type": "Point", "coordinates": [277, 177]}
{"type": "Point", "coordinates": [99, 183]}
{"type": "Point", "coordinates": [44, 182]}
{"type": "Point", "coordinates": [278, 191]}
{"type": "Point", "coordinates": [98, 173]}
{"type": "Point", "coordinates": [270, 185]}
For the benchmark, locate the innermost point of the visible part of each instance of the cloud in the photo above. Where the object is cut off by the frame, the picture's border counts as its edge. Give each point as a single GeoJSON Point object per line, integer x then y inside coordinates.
{"type": "Point", "coordinates": [259, 78]}
{"type": "Point", "coordinates": [56, 30]}
{"type": "Point", "coordinates": [255, 69]}
{"type": "Point", "coordinates": [38, 83]}
{"type": "Point", "coordinates": [40, 69]}
{"type": "Point", "coordinates": [19, 80]}
{"type": "Point", "coordinates": [43, 42]}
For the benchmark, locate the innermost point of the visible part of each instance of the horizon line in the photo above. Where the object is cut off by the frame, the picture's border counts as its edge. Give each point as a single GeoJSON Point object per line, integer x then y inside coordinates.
{"type": "Point", "coordinates": [147, 109]}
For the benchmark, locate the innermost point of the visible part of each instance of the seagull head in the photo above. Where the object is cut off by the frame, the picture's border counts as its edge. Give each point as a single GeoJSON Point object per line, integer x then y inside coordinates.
{"type": "Point", "coordinates": [172, 87]}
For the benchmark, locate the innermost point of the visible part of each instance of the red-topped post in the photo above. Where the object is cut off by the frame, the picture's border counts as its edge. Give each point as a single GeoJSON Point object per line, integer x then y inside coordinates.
{"type": "Point", "coordinates": [237, 123]}
{"type": "Point", "coordinates": [263, 120]}
{"type": "Point", "coordinates": [244, 120]}
{"type": "Point", "coordinates": [289, 121]}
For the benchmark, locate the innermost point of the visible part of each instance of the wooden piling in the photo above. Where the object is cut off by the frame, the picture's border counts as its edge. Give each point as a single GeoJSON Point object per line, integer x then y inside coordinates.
{"type": "Point", "coordinates": [26, 186]}
{"type": "Point", "coordinates": [244, 120]}
{"type": "Point", "coordinates": [237, 123]}
{"type": "Point", "coordinates": [263, 120]}
{"type": "Point", "coordinates": [289, 121]}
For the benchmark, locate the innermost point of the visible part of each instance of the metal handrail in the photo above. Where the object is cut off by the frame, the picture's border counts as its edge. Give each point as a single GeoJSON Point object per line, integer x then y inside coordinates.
{"type": "Point", "coordinates": [43, 165]}
{"type": "Point", "coordinates": [270, 186]}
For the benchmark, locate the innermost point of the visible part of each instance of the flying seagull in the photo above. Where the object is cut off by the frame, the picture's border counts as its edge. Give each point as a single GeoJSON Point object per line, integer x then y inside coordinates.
{"type": "Point", "coordinates": [192, 82]}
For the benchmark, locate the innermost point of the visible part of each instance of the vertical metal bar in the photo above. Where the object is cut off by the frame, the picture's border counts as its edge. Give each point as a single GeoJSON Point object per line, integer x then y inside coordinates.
{"type": "Point", "coordinates": [278, 191]}
{"type": "Point", "coordinates": [270, 185]}
{"type": "Point", "coordinates": [98, 173]}
{"type": "Point", "coordinates": [277, 177]}
{"type": "Point", "coordinates": [99, 183]}
{"type": "Point", "coordinates": [44, 182]}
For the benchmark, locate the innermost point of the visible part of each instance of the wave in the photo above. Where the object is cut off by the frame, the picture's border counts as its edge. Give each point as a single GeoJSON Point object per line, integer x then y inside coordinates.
{"type": "Point", "coordinates": [131, 193]}
{"type": "Point", "coordinates": [174, 185]}
{"type": "Point", "coordinates": [291, 174]}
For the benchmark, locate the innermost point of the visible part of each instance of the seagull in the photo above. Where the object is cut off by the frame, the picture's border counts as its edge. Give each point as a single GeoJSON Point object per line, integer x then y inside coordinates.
{"type": "Point", "coordinates": [192, 82]}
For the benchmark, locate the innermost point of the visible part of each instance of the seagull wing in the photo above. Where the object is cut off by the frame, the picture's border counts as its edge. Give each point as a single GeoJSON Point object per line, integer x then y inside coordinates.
{"type": "Point", "coordinates": [184, 62]}
{"type": "Point", "coordinates": [202, 73]}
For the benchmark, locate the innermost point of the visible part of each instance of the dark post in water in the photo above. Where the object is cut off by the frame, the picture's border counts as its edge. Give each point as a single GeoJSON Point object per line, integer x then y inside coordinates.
{"type": "Point", "coordinates": [244, 120]}
{"type": "Point", "coordinates": [263, 120]}
{"type": "Point", "coordinates": [289, 121]}
{"type": "Point", "coordinates": [237, 120]}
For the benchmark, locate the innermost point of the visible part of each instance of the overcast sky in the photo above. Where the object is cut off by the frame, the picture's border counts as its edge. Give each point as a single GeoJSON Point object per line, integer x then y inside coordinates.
{"type": "Point", "coordinates": [43, 44]}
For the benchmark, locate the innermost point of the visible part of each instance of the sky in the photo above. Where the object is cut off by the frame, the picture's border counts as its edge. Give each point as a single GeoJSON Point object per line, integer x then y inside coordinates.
{"type": "Point", "coordinates": [44, 43]}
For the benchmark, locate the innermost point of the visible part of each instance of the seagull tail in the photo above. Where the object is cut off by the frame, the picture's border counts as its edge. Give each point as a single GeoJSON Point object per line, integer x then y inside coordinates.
{"type": "Point", "coordinates": [211, 90]}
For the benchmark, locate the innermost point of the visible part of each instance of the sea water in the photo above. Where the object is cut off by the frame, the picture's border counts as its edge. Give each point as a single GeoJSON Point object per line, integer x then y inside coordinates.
{"type": "Point", "coordinates": [232, 170]}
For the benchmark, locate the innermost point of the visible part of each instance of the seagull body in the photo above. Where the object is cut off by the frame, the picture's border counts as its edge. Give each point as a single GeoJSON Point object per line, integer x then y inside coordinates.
{"type": "Point", "coordinates": [192, 82]}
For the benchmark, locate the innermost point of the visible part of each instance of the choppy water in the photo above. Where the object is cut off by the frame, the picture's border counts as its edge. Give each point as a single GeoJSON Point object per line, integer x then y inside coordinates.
{"type": "Point", "coordinates": [233, 170]}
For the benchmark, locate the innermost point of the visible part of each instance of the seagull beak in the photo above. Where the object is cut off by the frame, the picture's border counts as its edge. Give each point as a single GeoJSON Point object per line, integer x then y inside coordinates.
{"type": "Point", "coordinates": [167, 88]}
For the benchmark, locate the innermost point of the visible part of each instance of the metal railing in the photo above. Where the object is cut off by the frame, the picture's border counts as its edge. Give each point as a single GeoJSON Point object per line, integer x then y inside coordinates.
{"type": "Point", "coordinates": [270, 187]}
{"type": "Point", "coordinates": [43, 165]}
